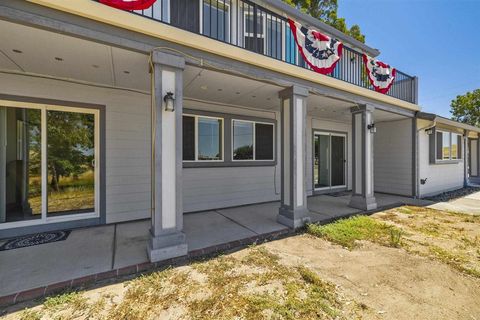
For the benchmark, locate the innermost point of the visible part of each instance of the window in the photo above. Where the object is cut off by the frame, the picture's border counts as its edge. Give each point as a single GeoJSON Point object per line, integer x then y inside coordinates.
{"type": "Point", "coordinates": [216, 19]}
{"type": "Point", "coordinates": [49, 163]}
{"type": "Point", "coordinates": [252, 140]}
{"type": "Point", "coordinates": [202, 138]}
{"type": "Point", "coordinates": [449, 145]}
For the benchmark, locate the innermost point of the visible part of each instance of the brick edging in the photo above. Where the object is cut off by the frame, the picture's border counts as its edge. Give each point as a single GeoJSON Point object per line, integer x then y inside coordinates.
{"type": "Point", "coordinates": [90, 280]}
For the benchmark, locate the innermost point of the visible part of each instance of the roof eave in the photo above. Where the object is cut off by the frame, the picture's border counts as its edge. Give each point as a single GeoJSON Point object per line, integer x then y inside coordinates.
{"type": "Point", "coordinates": [449, 122]}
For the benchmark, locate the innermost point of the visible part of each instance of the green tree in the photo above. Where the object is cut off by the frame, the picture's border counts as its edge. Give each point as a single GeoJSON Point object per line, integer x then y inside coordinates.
{"type": "Point", "coordinates": [326, 11]}
{"type": "Point", "coordinates": [466, 108]}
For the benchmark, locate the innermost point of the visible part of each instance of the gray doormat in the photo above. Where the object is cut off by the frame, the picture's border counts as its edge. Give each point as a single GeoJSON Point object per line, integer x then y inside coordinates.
{"type": "Point", "coordinates": [35, 239]}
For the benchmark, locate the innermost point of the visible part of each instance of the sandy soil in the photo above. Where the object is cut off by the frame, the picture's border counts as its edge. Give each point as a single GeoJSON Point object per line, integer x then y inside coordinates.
{"type": "Point", "coordinates": [392, 282]}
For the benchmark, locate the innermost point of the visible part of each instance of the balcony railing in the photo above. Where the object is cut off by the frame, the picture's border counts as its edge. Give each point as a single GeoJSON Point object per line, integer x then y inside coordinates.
{"type": "Point", "coordinates": [244, 24]}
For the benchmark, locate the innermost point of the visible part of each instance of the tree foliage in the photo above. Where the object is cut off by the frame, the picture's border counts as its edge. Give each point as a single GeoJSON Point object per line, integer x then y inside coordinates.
{"type": "Point", "coordinates": [326, 11]}
{"type": "Point", "coordinates": [70, 139]}
{"type": "Point", "coordinates": [466, 108]}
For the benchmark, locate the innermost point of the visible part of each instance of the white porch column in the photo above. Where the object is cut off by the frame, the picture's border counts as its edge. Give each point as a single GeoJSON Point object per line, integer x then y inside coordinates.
{"type": "Point", "coordinates": [167, 239]}
{"type": "Point", "coordinates": [293, 211]}
{"type": "Point", "coordinates": [362, 151]}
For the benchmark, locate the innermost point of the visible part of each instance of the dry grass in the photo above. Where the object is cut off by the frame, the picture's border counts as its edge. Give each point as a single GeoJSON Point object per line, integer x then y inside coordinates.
{"type": "Point", "coordinates": [450, 237]}
{"type": "Point", "coordinates": [252, 285]}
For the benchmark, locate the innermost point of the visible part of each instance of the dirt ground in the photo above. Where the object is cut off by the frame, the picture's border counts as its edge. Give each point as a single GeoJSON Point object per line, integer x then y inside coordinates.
{"type": "Point", "coordinates": [389, 281]}
{"type": "Point", "coordinates": [433, 273]}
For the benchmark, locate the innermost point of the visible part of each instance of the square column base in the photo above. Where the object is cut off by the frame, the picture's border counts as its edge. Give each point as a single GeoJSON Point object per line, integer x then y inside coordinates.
{"type": "Point", "coordinates": [293, 218]}
{"type": "Point", "coordinates": [363, 203]}
{"type": "Point", "coordinates": [167, 246]}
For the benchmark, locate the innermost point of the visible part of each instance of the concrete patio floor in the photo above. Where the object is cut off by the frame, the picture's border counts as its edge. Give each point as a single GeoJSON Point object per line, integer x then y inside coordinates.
{"type": "Point", "coordinates": [101, 249]}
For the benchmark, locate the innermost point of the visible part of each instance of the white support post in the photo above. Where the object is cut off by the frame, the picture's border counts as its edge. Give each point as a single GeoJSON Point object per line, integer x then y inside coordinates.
{"type": "Point", "coordinates": [362, 150]}
{"type": "Point", "coordinates": [167, 239]}
{"type": "Point", "coordinates": [293, 211]}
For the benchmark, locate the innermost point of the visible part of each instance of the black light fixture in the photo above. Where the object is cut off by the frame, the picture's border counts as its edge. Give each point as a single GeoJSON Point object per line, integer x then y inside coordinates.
{"type": "Point", "coordinates": [372, 128]}
{"type": "Point", "coordinates": [169, 100]}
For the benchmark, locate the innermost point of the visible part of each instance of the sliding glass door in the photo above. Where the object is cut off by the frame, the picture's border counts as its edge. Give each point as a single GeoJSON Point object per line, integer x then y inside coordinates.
{"type": "Point", "coordinates": [48, 164]}
{"type": "Point", "coordinates": [329, 161]}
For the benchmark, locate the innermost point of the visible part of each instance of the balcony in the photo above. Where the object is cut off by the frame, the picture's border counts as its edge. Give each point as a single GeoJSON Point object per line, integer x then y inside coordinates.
{"type": "Point", "coordinates": [247, 25]}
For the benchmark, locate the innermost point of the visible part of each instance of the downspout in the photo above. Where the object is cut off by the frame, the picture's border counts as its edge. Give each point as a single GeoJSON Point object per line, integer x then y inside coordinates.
{"type": "Point", "coordinates": [417, 157]}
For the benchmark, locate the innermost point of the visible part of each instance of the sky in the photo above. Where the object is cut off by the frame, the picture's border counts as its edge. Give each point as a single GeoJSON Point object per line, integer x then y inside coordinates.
{"type": "Point", "coordinates": [436, 40]}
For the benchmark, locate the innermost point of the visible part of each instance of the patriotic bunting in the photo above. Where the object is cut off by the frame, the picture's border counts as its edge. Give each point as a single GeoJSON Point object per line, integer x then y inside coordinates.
{"type": "Point", "coordinates": [381, 75]}
{"type": "Point", "coordinates": [129, 4]}
{"type": "Point", "coordinates": [319, 50]}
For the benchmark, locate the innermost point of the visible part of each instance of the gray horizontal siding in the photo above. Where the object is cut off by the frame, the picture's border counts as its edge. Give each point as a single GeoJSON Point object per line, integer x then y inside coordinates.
{"type": "Point", "coordinates": [393, 157]}
{"type": "Point", "coordinates": [127, 131]}
{"type": "Point", "coordinates": [220, 187]}
{"type": "Point", "coordinates": [209, 188]}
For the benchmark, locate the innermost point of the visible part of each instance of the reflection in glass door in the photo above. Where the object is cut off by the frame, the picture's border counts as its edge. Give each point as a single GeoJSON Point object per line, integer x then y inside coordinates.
{"type": "Point", "coordinates": [329, 165]}
{"type": "Point", "coordinates": [48, 164]}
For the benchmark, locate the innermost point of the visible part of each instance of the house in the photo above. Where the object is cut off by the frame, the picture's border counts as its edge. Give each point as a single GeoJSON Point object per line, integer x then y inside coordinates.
{"type": "Point", "coordinates": [109, 115]}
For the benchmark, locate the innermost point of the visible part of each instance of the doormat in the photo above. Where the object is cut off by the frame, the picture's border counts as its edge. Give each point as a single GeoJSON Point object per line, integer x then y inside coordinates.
{"type": "Point", "coordinates": [338, 194]}
{"type": "Point", "coordinates": [35, 239]}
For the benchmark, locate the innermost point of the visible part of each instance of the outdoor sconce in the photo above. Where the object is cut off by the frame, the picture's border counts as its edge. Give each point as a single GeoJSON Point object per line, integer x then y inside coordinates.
{"type": "Point", "coordinates": [429, 131]}
{"type": "Point", "coordinates": [372, 128]}
{"type": "Point", "coordinates": [169, 102]}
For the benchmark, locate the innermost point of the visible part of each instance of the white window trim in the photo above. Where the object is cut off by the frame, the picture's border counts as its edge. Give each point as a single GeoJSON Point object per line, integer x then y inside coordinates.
{"type": "Point", "coordinates": [195, 116]}
{"type": "Point", "coordinates": [458, 147]}
{"type": "Point", "coordinates": [43, 122]}
{"type": "Point", "coordinates": [254, 146]}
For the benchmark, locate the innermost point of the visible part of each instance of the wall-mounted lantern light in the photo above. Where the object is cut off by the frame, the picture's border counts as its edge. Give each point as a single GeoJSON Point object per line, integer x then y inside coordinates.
{"type": "Point", "coordinates": [372, 128]}
{"type": "Point", "coordinates": [429, 131]}
{"type": "Point", "coordinates": [169, 100]}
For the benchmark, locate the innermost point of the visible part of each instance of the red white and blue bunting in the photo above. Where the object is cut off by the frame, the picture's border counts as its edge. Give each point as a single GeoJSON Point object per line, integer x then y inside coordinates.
{"type": "Point", "coordinates": [319, 51]}
{"type": "Point", "coordinates": [380, 74]}
{"type": "Point", "coordinates": [129, 4]}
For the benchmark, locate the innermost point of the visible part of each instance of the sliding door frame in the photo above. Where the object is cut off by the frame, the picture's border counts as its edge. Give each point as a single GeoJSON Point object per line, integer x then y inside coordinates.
{"type": "Point", "coordinates": [330, 133]}
{"type": "Point", "coordinates": [46, 223]}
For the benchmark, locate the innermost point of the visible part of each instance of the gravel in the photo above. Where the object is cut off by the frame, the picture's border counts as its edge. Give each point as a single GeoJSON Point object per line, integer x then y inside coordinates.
{"type": "Point", "coordinates": [452, 195]}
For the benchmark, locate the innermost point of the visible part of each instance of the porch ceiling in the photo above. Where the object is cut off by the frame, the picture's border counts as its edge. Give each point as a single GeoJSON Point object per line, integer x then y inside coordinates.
{"type": "Point", "coordinates": [208, 85]}
{"type": "Point", "coordinates": [339, 110]}
{"type": "Point", "coordinates": [32, 50]}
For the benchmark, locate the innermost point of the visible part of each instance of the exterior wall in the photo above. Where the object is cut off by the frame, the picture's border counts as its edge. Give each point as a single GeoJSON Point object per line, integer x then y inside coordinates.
{"type": "Point", "coordinates": [393, 157]}
{"type": "Point", "coordinates": [128, 150]}
{"type": "Point", "coordinates": [316, 123]}
{"type": "Point", "coordinates": [440, 177]}
{"type": "Point", "coordinates": [218, 187]}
